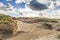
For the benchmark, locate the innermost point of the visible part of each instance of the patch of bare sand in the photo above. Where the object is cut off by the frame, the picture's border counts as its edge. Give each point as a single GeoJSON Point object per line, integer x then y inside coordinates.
{"type": "Point", "coordinates": [33, 35]}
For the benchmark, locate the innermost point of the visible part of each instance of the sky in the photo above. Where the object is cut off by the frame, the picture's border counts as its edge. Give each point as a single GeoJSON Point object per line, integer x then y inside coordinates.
{"type": "Point", "coordinates": [30, 8]}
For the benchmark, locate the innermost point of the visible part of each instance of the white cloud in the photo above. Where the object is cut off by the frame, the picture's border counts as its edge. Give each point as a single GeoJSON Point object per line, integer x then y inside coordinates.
{"type": "Point", "coordinates": [11, 9]}
{"type": "Point", "coordinates": [2, 11]}
{"type": "Point", "coordinates": [8, 0]}
{"type": "Point", "coordinates": [57, 12]}
{"type": "Point", "coordinates": [13, 12]}
{"type": "Point", "coordinates": [1, 4]}
{"type": "Point", "coordinates": [20, 1]}
{"type": "Point", "coordinates": [9, 6]}
{"type": "Point", "coordinates": [27, 1]}
{"type": "Point", "coordinates": [43, 1]}
{"type": "Point", "coordinates": [27, 12]}
{"type": "Point", "coordinates": [52, 5]}
{"type": "Point", "coordinates": [57, 3]}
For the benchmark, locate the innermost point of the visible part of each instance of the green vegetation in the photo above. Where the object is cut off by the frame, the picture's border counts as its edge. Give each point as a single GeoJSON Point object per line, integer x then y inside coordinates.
{"type": "Point", "coordinates": [58, 36]}
{"type": "Point", "coordinates": [36, 19]}
{"type": "Point", "coordinates": [7, 22]}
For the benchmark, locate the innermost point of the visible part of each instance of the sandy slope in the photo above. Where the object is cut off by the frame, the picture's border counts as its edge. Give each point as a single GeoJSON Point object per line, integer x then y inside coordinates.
{"type": "Point", "coordinates": [37, 34]}
{"type": "Point", "coordinates": [50, 37]}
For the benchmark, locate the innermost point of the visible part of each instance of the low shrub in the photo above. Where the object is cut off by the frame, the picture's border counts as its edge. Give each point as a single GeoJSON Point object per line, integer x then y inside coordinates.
{"type": "Point", "coordinates": [58, 36]}
{"type": "Point", "coordinates": [48, 26]}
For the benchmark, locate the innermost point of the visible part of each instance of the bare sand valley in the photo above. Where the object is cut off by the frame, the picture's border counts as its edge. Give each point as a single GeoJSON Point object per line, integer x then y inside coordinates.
{"type": "Point", "coordinates": [12, 28]}
{"type": "Point", "coordinates": [33, 32]}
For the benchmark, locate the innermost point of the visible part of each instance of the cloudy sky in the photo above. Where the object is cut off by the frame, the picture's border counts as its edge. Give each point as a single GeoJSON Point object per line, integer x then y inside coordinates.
{"type": "Point", "coordinates": [30, 8]}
